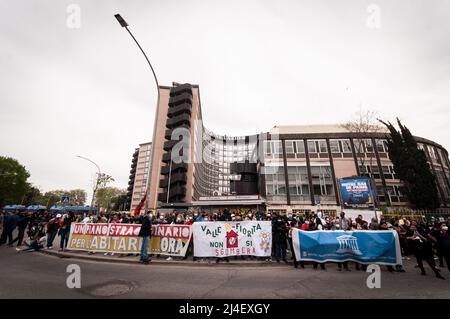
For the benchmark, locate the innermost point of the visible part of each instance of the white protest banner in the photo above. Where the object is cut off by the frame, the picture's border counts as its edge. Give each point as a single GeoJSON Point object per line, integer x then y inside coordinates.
{"type": "Point", "coordinates": [222, 239]}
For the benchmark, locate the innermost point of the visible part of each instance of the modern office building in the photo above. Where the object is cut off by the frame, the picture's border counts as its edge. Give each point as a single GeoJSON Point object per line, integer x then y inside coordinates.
{"type": "Point", "coordinates": [288, 169]}
{"type": "Point", "coordinates": [140, 166]}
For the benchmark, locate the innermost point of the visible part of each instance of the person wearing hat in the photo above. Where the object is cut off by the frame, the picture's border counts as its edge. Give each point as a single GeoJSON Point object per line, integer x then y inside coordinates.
{"type": "Point", "coordinates": [52, 230]}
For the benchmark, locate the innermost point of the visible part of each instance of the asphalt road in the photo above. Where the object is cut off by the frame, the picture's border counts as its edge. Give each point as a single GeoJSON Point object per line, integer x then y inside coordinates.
{"type": "Point", "coordinates": [35, 275]}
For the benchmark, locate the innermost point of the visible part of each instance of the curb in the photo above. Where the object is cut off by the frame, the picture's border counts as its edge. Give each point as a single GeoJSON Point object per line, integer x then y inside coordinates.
{"type": "Point", "coordinates": [165, 262]}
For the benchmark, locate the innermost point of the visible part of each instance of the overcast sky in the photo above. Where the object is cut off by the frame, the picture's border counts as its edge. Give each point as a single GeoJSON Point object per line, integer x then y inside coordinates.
{"type": "Point", "coordinates": [66, 91]}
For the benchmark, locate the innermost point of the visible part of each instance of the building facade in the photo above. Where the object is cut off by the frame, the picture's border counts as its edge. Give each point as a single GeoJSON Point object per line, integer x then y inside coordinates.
{"type": "Point", "coordinates": [139, 173]}
{"type": "Point", "coordinates": [288, 169]}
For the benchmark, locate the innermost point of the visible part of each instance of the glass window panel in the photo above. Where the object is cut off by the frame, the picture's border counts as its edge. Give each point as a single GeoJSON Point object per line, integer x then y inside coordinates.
{"type": "Point", "coordinates": [300, 146]}
{"type": "Point", "coordinates": [369, 146]}
{"type": "Point", "coordinates": [334, 146]}
{"type": "Point", "coordinates": [312, 147]}
{"type": "Point", "coordinates": [289, 145]}
{"type": "Point", "coordinates": [323, 147]}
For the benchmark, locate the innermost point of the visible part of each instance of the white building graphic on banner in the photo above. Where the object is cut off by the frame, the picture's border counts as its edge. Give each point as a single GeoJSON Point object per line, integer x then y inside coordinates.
{"type": "Point", "coordinates": [348, 244]}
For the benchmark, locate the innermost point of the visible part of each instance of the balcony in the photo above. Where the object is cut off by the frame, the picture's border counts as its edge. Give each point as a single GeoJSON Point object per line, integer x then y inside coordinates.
{"type": "Point", "coordinates": [169, 144]}
{"type": "Point", "coordinates": [180, 89]}
{"type": "Point", "coordinates": [180, 99]}
{"type": "Point", "coordinates": [168, 132]}
{"type": "Point", "coordinates": [182, 167]}
{"type": "Point", "coordinates": [167, 156]}
{"type": "Point", "coordinates": [176, 194]}
{"type": "Point", "coordinates": [177, 178]}
{"type": "Point", "coordinates": [183, 119]}
{"type": "Point", "coordinates": [179, 109]}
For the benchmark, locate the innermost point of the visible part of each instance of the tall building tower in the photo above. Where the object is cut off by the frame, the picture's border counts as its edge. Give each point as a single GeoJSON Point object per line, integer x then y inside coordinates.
{"type": "Point", "coordinates": [139, 173]}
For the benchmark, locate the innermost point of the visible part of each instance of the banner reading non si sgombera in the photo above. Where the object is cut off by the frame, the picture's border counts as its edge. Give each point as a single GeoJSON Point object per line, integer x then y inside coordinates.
{"type": "Point", "coordinates": [222, 239]}
{"type": "Point", "coordinates": [171, 240]}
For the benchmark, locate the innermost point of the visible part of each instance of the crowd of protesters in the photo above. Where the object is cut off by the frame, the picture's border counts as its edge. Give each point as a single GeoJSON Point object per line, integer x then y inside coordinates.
{"type": "Point", "coordinates": [426, 241]}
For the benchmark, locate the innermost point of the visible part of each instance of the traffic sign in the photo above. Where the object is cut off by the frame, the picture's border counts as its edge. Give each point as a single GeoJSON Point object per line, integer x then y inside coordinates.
{"type": "Point", "coordinates": [65, 199]}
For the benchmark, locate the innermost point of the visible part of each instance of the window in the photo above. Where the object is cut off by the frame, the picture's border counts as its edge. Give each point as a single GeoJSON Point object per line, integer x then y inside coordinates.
{"type": "Point", "coordinates": [369, 146]}
{"type": "Point", "coordinates": [300, 147]}
{"type": "Point", "coordinates": [312, 147]}
{"type": "Point", "coordinates": [334, 146]}
{"type": "Point", "coordinates": [323, 146]}
{"type": "Point", "coordinates": [322, 181]}
{"type": "Point", "coordinates": [272, 147]}
{"type": "Point", "coordinates": [443, 158]}
{"type": "Point", "coordinates": [346, 146]}
{"type": "Point", "coordinates": [431, 152]}
{"type": "Point", "coordinates": [289, 146]}
{"type": "Point", "coordinates": [275, 185]}
{"type": "Point", "coordinates": [380, 146]}
{"type": "Point", "coordinates": [359, 145]}
{"type": "Point", "coordinates": [298, 183]}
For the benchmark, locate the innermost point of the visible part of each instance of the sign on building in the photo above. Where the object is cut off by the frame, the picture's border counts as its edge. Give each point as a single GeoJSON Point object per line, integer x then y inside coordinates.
{"type": "Point", "coordinates": [356, 192]}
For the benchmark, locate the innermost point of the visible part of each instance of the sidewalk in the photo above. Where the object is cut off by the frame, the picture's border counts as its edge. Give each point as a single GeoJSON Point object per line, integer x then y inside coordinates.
{"type": "Point", "coordinates": [208, 262]}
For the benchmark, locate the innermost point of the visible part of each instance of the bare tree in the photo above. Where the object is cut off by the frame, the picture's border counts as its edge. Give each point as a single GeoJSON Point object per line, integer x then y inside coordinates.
{"type": "Point", "coordinates": [363, 123]}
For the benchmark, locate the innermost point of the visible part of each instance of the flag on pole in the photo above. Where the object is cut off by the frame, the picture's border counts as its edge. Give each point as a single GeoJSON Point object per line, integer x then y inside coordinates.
{"type": "Point", "coordinates": [138, 208]}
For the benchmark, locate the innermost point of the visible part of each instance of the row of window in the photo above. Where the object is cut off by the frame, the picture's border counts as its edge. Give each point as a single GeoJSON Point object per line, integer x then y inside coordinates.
{"type": "Point", "coordinates": [320, 146]}
{"type": "Point", "coordinates": [299, 188]}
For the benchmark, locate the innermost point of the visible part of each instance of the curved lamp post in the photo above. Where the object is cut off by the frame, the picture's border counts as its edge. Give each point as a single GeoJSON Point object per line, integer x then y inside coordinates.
{"type": "Point", "coordinates": [124, 24]}
{"type": "Point", "coordinates": [96, 182]}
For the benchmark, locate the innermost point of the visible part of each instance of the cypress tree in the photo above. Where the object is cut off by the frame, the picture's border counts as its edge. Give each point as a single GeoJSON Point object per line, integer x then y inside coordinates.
{"type": "Point", "coordinates": [412, 168]}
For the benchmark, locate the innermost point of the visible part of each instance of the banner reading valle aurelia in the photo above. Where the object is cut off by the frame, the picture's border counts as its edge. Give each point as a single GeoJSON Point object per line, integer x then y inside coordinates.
{"type": "Point", "coordinates": [367, 247]}
{"type": "Point", "coordinates": [171, 240]}
{"type": "Point", "coordinates": [222, 239]}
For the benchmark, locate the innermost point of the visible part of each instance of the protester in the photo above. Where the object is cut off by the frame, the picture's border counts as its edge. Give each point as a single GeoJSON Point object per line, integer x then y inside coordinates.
{"type": "Point", "coordinates": [145, 232]}
{"type": "Point", "coordinates": [442, 238]}
{"type": "Point", "coordinates": [9, 224]}
{"type": "Point", "coordinates": [36, 244]}
{"type": "Point", "coordinates": [22, 226]}
{"type": "Point", "coordinates": [279, 233]}
{"type": "Point", "coordinates": [422, 248]}
{"type": "Point", "coordinates": [52, 230]}
{"type": "Point", "coordinates": [64, 230]}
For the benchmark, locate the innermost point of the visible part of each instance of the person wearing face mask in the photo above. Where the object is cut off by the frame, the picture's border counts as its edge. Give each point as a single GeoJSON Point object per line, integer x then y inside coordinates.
{"type": "Point", "coordinates": [179, 220]}
{"type": "Point", "coordinates": [442, 239]}
{"type": "Point", "coordinates": [421, 247]}
{"type": "Point", "coordinates": [279, 233]}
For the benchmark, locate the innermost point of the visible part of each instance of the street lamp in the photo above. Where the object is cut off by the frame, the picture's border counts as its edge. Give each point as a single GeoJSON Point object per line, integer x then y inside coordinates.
{"type": "Point", "coordinates": [96, 182]}
{"type": "Point", "coordinates": [124, 24]}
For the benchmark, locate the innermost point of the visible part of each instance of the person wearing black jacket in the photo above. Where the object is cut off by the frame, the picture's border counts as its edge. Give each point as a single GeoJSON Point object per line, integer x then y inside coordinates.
{"type": "Point", "coordinates": [21, 225]}
{"type": "Point", "coordinates": [9, 225]}
{"type": "Point", "coordinates": [279, 231]}
{"type": "Point", "coordinates": [145, 232]}
{"type": "Point", "coordinates": [422, 248]}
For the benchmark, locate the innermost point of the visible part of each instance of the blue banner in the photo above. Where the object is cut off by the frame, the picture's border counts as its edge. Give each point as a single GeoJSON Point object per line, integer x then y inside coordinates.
{"type": "Point", "coordinates": [356, 192]}
{"type": "Point", "coordinates": [366, 247]}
